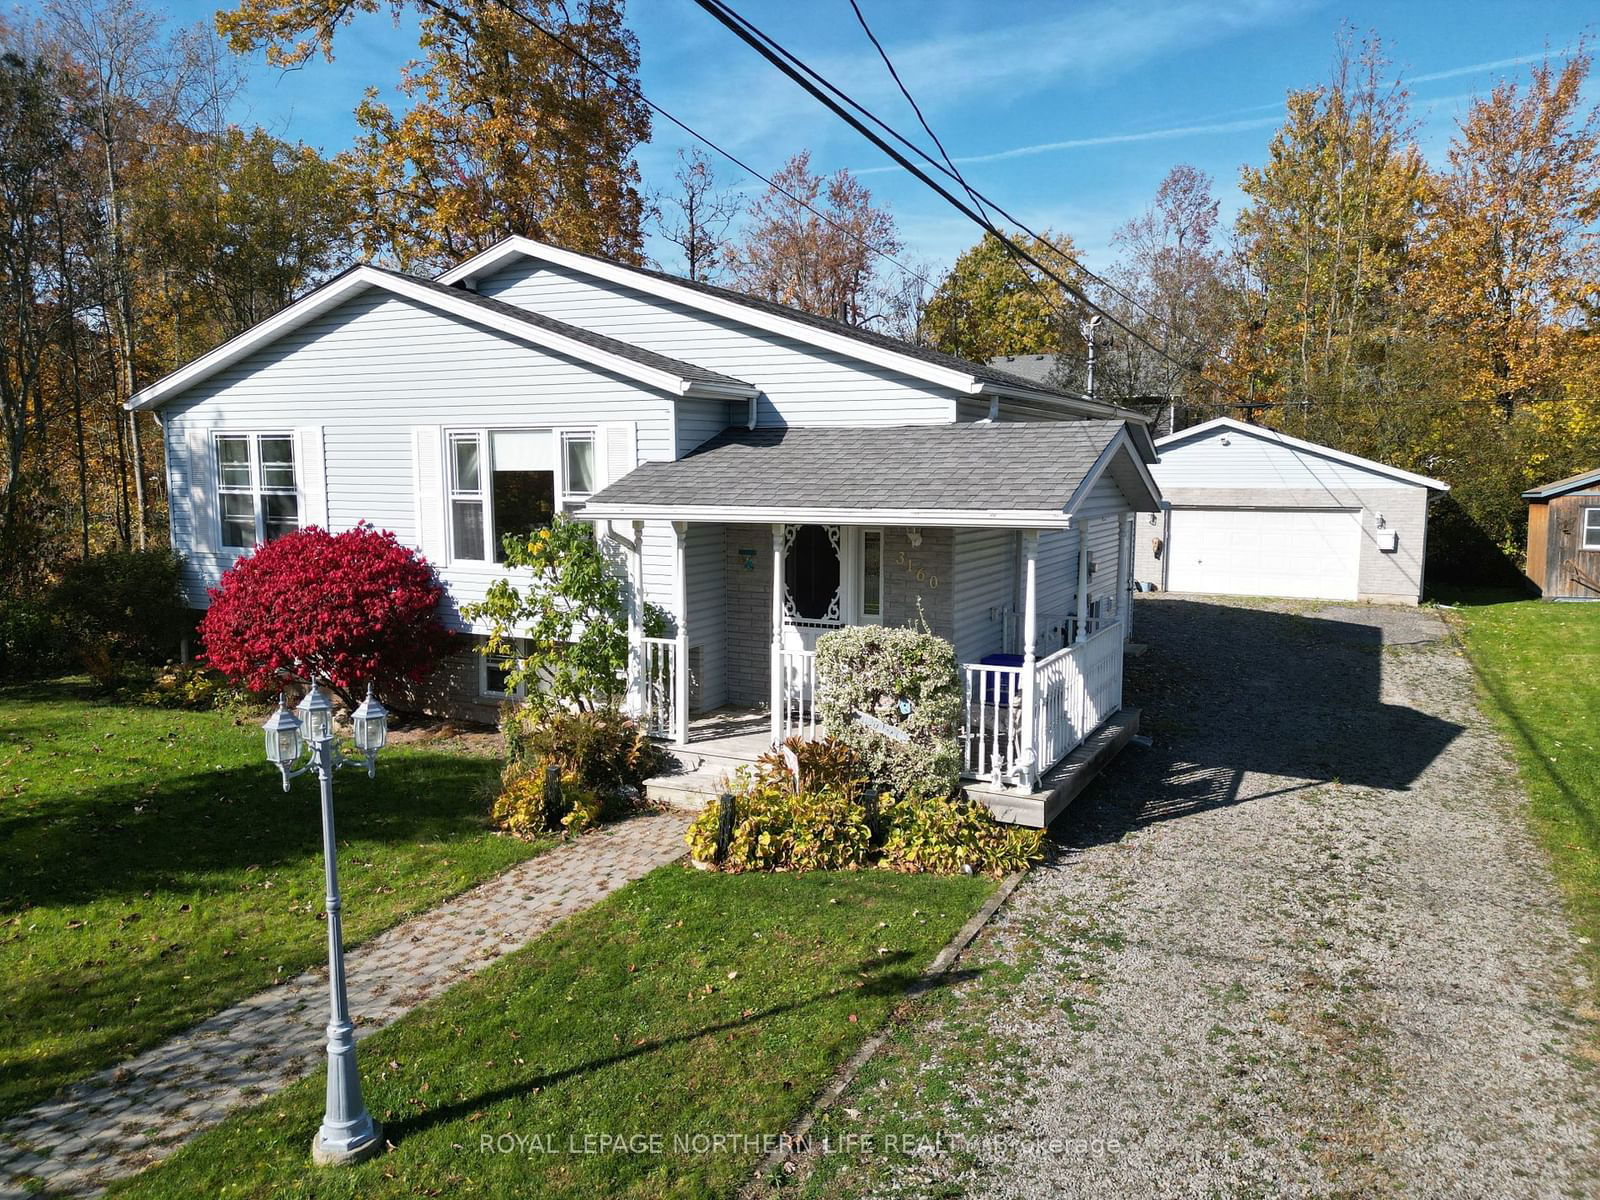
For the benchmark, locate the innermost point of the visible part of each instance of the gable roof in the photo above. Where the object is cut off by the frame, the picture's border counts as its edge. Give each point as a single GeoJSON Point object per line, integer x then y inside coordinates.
{"type": "Point", "coordinates": [644, 366]}
{"type": "Point", "coordinates": [924, 362]}
{"type": "Point", "coordinates": [1561, 487]}
{"type": "Point", "coordinates": [1018, 474]}
{"type": "Point", "coordinates": [1229, 424]}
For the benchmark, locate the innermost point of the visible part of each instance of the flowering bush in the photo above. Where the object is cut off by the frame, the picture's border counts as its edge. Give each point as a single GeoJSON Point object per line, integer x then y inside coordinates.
{"type": "Point", "coordinates": [352, 607]}
{"type": "Point", "coordinates": [569, 618]}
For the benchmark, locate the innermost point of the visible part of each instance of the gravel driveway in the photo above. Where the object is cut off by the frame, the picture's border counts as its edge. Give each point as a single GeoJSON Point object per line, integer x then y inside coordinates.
{"type": "Point", "coordinates": [1302, 946]}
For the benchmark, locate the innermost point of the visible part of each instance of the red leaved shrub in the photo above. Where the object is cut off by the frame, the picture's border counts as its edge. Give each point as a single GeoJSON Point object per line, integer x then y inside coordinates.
{"type": "Point", "coordinates": [353, 607]}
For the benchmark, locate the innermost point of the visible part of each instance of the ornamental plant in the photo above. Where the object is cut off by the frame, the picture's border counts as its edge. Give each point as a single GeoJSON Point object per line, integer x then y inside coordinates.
{"type": "Point", "coordinates": [353, 607]}
{"type": "Point", "coordinates": [568, 614]}
{"type": "Point", "coordinates": [904, 678]}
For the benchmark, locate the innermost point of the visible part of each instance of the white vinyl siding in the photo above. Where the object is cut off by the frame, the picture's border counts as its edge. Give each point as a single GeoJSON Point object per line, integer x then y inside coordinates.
{"type": "Point", "coordinates": [380, 376]}
{"type": "Point", "coordinates": [800, 384]}
{"type": "Point", "coordinates": [1230, 468]}
{"type": "Point", "coordinates": [985, 570]}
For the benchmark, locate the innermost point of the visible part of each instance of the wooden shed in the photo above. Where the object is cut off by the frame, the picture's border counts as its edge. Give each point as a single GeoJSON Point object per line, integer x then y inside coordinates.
{"type": "Point", "coordinates": [1564, 537]}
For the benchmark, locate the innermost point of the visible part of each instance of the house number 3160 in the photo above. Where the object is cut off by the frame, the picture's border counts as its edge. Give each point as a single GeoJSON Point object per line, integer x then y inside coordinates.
{"type": "Point", "coordinates": [913, 569]}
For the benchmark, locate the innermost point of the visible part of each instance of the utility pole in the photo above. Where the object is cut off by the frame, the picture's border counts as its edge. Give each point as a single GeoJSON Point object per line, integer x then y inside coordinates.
{"type": "Point", "coordinates": [1089, 329]}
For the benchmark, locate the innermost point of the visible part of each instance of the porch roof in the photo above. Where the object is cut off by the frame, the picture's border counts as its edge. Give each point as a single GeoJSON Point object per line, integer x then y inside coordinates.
{"type": "Point", "coordinates": [1019, 474]}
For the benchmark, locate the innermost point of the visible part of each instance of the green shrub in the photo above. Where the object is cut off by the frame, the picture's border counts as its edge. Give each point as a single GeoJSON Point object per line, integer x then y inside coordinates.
{"type": "Point", "coordinates": [32, 642]}
{"type": "Point", "coordinates": [905, 678]}
{"type": "Point", "coordinates": [824, 763]}
{"type": "Point", "coordinates": [778, 829]}
{"type": "Point", "coordinates": [525, 807]}
{"type": "Point", "coordinates": [949, 834]}
{"type": "Point", "coordinates": [188, 686]}
{"type": "Point", "coordinates": [605, 750]}
{"type": "Point", "coordinates": [121, 608]}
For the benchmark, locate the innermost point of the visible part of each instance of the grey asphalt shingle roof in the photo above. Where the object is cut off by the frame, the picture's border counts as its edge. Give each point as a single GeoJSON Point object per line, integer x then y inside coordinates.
{"type": "Point", "coordinates": [1021, 466]}
{"type": "Point", "coordinates": [984, 372]}
{"type": "Point", "coordinates": [610, 345]}
{"type": "Point", "coordinates": [1561, 486]}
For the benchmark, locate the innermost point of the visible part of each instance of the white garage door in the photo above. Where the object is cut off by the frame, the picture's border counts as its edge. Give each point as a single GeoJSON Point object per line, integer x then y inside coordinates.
{"type": "Point", "coordinates": [1265, 552]}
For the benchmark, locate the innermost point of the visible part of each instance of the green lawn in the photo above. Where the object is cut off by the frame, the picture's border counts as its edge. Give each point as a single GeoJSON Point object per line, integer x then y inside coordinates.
{"type": "Point", "coordinates": [1538, 666]}
{"type": "Point", "coordinates": [685, 1005]}
{"type": "Point", "coordinates": [152, 870]}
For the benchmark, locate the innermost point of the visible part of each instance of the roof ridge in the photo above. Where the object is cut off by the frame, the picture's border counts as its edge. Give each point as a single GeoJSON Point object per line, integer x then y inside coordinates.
{"type": "Point", "coordinates": [599, 341]}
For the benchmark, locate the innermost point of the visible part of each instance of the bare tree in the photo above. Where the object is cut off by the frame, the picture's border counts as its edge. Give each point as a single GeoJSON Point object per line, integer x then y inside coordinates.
{"type": "Point", "coordinates": [817, 244]}
{"type": "Point", "coordinates": [696, 217]}
{"type": "Point", "coordinates": [143, 87]}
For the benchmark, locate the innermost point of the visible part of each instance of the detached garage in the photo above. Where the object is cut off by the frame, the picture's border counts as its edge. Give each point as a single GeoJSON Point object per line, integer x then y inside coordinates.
{"type": "Point", "coordinates": [1250, 511]}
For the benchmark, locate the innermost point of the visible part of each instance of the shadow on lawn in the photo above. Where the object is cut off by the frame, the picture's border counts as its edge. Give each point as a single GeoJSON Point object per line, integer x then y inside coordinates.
{"type": "Point", "coordinates": [884, 982]}
{"type": "Point", "coordinates": [151, 832]}
{"type": "Point", "coordinates": [1228, 692]}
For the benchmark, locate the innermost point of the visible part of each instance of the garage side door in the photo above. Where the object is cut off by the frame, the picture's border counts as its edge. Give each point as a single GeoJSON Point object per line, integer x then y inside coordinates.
{"type": "Point", "coordinates": [1265, 552]}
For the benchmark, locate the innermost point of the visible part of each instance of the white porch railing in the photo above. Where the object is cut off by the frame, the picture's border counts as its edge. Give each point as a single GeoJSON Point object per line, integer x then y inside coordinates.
{"type": "Point", "coordinates": [1075, 690]}
{"type": "Point", "coordinates": [797, 689]}
{"type": "Point", "coordinates": [659, 711]}
{"type": "Point", "coordinates": [992, 716]}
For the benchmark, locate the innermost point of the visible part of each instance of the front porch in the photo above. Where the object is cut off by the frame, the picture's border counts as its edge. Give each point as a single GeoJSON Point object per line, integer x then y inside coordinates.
{"type": "Point", "coordinates": [1033, 594]}
{"type": "Point", "coordinates": [722, 742]}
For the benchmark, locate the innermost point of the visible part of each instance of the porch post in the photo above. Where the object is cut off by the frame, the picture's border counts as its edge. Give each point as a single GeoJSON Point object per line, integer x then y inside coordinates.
{"type": "Point", "coordinates": [636, 655]}
{"type": "Point", "coordinates": [1083, 585]}
{"type": "Point", "coordinates": [1125, 559]}
{"type": "Point", "coordinates": [777, 635]}
{"type": "Point", "coordinates": [1030, 630]}
{"type": "Point", "coordinates": [680, 601]}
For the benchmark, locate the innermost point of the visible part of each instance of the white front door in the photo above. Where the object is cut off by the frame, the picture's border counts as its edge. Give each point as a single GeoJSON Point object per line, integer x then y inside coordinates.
{"type": "Point", "coordinates": [1265, 552]}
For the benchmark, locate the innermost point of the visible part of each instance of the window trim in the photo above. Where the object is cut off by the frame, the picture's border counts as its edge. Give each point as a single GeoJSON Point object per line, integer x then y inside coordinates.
{"type": "Point", "coordinates": [485, 494]}
{"type": "Point", "coordinates": [257, 490]}
{"type": "Point", "coordinates": [565, 491]}
{"type": "Point", "coordinates": [1584, 531]}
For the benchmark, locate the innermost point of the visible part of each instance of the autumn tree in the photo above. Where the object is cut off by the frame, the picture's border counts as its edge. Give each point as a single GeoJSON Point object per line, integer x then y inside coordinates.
{"type": "Point", "coordinates": [819, 245]}
{"type": "Point", "coordinates": [1507, 265]}
{"type": "Point", "coordinates": [1325, 233]}
{"type": "Point", "coordinates": [32, 124]}
{"type": "Point", "coordinates": [507, 131]}
{"type": "Point", "coordinates": [231, 228]}
{"type": "Point", "coordinates": [992, 303]}
{"type": "Point", "coordinates": [695, 215]}
{"type": "Point", "coordinates": [139, 87]}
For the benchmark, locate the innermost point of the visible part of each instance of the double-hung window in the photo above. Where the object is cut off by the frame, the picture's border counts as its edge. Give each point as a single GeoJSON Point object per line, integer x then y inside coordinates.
{"type": "Point", "coordinates": [256, 493]}
{"type": "Point", "coordinates": [1591, 529]}
{"type": "Point", "coordinates": [509, 482]}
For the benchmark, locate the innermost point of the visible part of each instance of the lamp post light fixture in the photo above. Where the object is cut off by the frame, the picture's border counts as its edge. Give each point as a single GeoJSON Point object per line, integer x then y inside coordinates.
{"type": "Point", "coordinates": [348, 1133]}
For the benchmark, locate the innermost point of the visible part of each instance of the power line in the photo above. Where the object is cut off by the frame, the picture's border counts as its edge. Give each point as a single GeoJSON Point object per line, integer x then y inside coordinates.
{"type": "Point", "coordinates": [950, 165]}
{"type": "Point", "coordinates": [635, 90]}
{"type": "Point", "coordinates": [758, 41]}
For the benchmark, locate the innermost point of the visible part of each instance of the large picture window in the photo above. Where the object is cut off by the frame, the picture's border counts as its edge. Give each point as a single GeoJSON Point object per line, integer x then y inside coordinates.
{"type": "Point", "coordinates": [503, 483]}
{"type": "Point", "coordinates": [258, 500]}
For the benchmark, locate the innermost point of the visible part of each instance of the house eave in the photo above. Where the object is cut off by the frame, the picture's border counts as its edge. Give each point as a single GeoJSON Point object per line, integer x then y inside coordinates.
{"type": "Point", "coordinates": [801, 515]}
{"type": "Point", "coordinates": [359, 279]}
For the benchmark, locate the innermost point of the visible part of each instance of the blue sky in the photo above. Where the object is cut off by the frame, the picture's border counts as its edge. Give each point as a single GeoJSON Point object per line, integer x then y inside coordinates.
{"type": "Point", "coordinates": [1068, 113]}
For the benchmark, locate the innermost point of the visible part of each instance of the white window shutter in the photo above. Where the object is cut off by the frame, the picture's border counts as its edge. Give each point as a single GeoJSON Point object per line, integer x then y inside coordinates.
{"type": "Point", "coordinates": [311, 474]}
{"type": "Point", "coordinates": [621, 450]}
{"type": "Point", "coordinates": [427, 473]}
{"type": "Point", "coordinates": [200, 475]}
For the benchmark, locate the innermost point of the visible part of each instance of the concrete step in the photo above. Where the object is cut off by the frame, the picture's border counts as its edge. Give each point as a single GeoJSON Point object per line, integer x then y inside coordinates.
{"type": "Point", "coordinates": [695, 757]}
{"type": "Point", "coordinates": [685, 789]}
